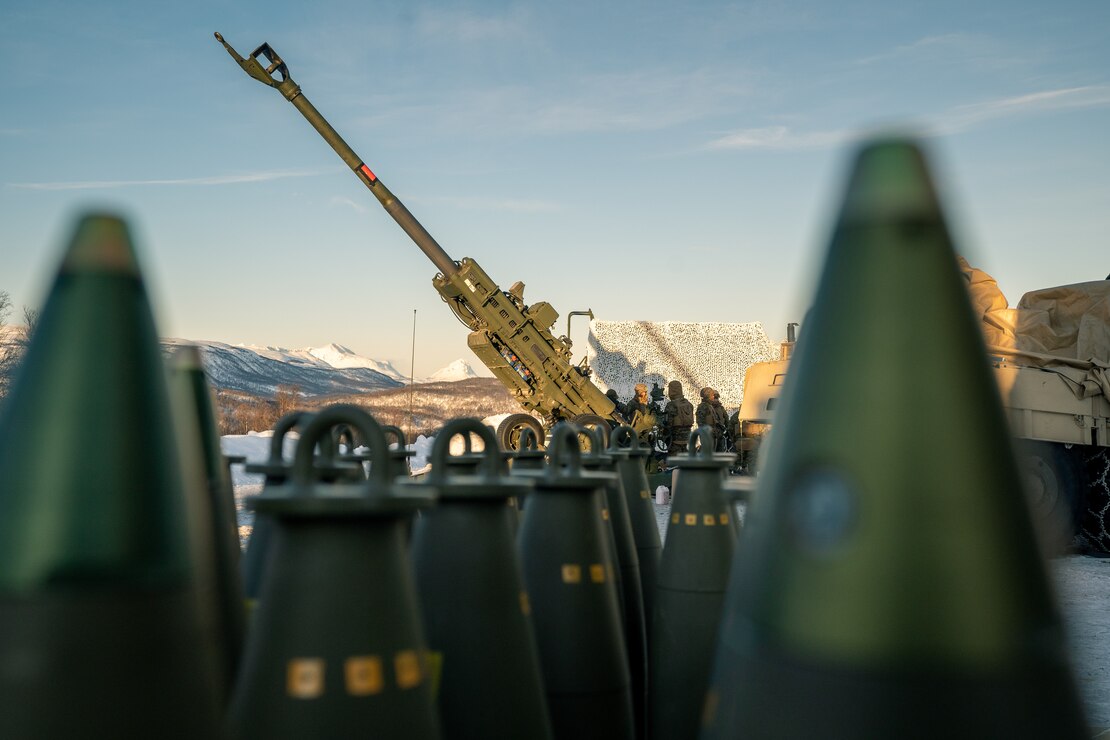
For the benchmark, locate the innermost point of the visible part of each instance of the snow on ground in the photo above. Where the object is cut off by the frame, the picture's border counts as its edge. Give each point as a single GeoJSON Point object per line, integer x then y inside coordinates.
{"type": "Point", "coordinates": [255, 447]}
{"type": "Point", "coordinates": [1083, 591]}
{"type": "Point", "coordinates": [1082, 583]}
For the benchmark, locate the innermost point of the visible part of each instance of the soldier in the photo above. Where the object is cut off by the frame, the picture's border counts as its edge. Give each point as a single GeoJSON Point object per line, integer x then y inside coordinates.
{"type": "Point", "coordinates": [720, 424]}
{"type": "Point", "coordinates": [619, 407]}
{"type": "Point", "coordinates": [704, 414]}
{"type": "Point", "coordinates": [712, 414]}
{"type": "Point", "coordinates": [639, 414]}
{"type": "Point", "coordinates": [678, 417]}
{"type": "Point", "coordinates": [734, 431]}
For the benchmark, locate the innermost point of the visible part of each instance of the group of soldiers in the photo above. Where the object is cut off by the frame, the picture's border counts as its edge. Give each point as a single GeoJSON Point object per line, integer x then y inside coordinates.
{"type": "Point", "coordinates": [678, 418]}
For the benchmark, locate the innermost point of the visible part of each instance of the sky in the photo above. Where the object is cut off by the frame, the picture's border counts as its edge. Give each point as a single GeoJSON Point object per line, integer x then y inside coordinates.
{"type": "Point", "coordinates": [653, 161]}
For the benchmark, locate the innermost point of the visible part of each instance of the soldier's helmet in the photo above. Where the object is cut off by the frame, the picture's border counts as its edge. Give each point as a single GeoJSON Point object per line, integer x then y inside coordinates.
{"type": "Point", "coordinates": [707, 393]}
{"type": "Point", "coordinates": [674, 389]}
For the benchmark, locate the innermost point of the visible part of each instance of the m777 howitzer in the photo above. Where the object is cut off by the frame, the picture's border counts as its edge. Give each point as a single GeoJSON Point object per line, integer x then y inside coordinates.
{"type": "Point", "coordinates": [512, 339]}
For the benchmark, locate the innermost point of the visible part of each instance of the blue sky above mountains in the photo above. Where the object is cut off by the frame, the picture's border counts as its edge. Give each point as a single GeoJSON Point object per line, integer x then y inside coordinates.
{"type": "Point", "coordinates": [647, 160]}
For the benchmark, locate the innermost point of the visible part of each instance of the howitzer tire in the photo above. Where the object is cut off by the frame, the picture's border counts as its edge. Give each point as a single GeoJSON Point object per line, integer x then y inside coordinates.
{"type": "Point", "coordinates": [1094, 518]}
{"type": "Point", "coordinates": [1054, 483]}
{"type": "Point", "coordinates": [591, 421]}
{"type": "Point", "coordinates": [508, 431]}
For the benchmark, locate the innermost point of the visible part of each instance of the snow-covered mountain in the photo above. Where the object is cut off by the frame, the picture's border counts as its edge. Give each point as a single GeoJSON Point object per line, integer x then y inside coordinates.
{"type": "Point", "coordinates": [316, 371]}
{"type": "Point", "coordinates": [333, 355]}
{"type": "Point", "coordinates": [337, 355]}
{"type": "Point", "coordinates": [458, 370]}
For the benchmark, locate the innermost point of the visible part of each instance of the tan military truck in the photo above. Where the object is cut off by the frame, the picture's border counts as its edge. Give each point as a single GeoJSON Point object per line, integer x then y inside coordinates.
{"type": "Point", "coordinates": [762, 386]}
{"type": "Point", "coordinates": [1051, 356]}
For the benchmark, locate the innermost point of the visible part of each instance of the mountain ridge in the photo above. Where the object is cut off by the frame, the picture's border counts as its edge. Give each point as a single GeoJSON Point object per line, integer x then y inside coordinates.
{"type": "Point", "coordinates": [329, 370]}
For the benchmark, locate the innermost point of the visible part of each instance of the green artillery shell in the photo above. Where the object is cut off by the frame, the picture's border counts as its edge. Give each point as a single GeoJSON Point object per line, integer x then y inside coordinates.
{"type": "Point", "coordinates": [569, 577]}
{"type": "Point", "coordinates": [888, 583]}
{"type": "Point", "coordinates": [196, 424]}
{"type": "Point", "coordinates": [477, 614]}
{"type": "Point", "coordinates": [336, 648]}
{"type": "Point", "coordinates": [98, 629]}
{"type": "Point", "coordinates": [693, 576]}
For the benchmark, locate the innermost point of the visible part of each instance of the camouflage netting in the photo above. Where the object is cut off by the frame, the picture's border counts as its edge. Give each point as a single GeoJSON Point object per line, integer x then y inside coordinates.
{"type": "Point", "coordinates": [1093, 523]}
{"type": "Point", "coordinates": [624, 353]}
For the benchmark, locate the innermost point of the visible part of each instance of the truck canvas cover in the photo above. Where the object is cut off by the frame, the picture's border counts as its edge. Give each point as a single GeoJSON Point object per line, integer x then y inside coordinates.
{"type": "Point", "coordinates": [1067, 325]}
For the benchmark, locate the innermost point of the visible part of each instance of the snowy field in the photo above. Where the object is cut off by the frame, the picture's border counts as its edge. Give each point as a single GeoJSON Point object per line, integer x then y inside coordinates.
{"type": "Point", "coordinates": [1082, 583]}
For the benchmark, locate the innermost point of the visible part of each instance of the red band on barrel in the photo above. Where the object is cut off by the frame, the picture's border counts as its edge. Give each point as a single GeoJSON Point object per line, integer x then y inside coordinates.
{"type": "Point", "coordinates": [366, 171]}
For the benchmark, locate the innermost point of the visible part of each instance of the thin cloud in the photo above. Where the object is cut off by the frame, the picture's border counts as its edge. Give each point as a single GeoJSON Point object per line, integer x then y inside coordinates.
{"type": "Point", "coordinates": [781, 137]}
{"type": "Point", "coordinates": [964, 117]}
{"type": "Point", "coordinates": [602, 103]}
{"type": "Point", "coordinates": [188, 181]}
{"type": "Point", "coordinates": [340, 201]}
{"type": "Point", "coordinates": [954, 120]}
{"type": "Point", "coordinates": [944, 44]}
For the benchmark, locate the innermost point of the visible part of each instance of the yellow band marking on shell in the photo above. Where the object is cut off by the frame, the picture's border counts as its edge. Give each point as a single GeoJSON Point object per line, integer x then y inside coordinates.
{"type": "Point", "coordinates": [406, 665]}
{"type": "Point", "coordinates": [304, 678]}
{"type": "Point", "coordinates": [364, 675]}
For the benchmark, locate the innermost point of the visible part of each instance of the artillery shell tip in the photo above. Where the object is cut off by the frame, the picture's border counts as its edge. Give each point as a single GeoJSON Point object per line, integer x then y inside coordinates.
{"type": "Point", "coordinates": [219, 37]}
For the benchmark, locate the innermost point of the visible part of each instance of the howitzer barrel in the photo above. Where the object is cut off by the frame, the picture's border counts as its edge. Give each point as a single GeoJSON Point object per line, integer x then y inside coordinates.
{"type": "Point", "coordinates": [292, 92]}
{"type": "Point", "coordinates": [514, 340]}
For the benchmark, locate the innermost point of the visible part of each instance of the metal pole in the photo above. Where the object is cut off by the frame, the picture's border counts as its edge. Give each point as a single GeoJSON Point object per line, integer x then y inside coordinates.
{"type": "Point", "coordinates": [412, 376]}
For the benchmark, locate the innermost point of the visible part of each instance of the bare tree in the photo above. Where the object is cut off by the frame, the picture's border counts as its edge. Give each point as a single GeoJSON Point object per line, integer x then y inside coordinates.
{"type": "Point", "coordinates": [288, 399]}
{"type": "Point", "coordinates": [30, 324]}
{"type": "Point", "coordinates": [8, 352]}
{"type": "Point", "coordinates": [13, 339]}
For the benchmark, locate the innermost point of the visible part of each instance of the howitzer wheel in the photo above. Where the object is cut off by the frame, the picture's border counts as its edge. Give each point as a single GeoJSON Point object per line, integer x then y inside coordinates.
{"type": "Point", "coordinates": [508, 431]}
{"type": "Point", "coordinates": [1055, 485]}
{"type": "Point", "coordinates": [592, 421]}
